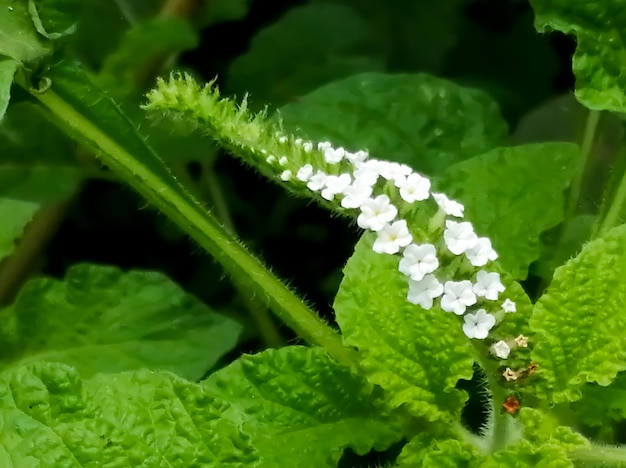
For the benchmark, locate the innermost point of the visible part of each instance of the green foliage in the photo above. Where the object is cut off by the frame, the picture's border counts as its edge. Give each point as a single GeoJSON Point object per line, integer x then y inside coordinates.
{"type": "Point", "coordinates": [333, 41]}
{"type": "Point", "coordinates": [600, 52]}
{"type": "Point", "coordinates": [512, 195]}
{"type": "Point", "coordinates": [54, 19]}
{"type": "Point", "coordinates": [578, 323]}
{"type": "Point", "coordinates": [439, 452]}
{"type": "Point", "coordinates": [425, 122]}
{"type": "Point", "coordinates": [18, 38]}
{"type": "Point", "coordinates": [102, 320]}
{"type": "Point", "coordinates": [8, 67]}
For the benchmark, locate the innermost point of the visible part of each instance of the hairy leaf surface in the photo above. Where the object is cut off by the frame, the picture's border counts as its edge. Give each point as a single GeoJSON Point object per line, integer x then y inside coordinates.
{"type": "Point", "coordinates": [579, 323]}
{"type": "Point", "coordinates": [102, 320]}
{"type": "Point", "coordinates": [512, 195]}
{"type": "Point", "coordinates": [420, 120]}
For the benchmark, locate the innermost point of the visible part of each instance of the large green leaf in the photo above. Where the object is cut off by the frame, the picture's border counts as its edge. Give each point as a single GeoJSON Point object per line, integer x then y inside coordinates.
{"type": "Point", "coordinates": [579, 323]}
{"type": "Point", "coordinates": [50, 418]}
{"type": "Point", "coordinates": [18, 38]}
{"type": "Point", "coordinates": [8, 67]}
{"type": "Point", "coordinates": [328, 41]}
{"type": "Point", "coordinates": [420, 120]}
{"type": "Point", "coordinates": [55, 18]}
{"type": "Point", "coordinates": [102, 320]}
{"type": "Point", "coordinates": [416, 355]}
{"type": "Point", "coordinates": [429, 451]}
{"type": "Point", "coordinates": [600, 54]}
{"type": "Point", "coordinates": [301, 408]}
{"type": "Point", "coordinates": [512, 195]}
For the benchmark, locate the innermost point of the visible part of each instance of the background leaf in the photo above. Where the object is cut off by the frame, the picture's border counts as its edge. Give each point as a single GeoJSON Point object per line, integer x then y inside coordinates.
{"type": "Point", "coordinates": [416, 355]}
{"type": "Point", "coordinates": [420, 120]}
{"type": "Point", "coordinates": [8, 67]}
{"type": "Point", "coordinates": [301, 408]}
{"type": "Point", "coordinates": [18, 38]}
{"type": "Point", "coordinates": [579, 325]}
{"type": "Point", "coordinates": [331, 41]}
{"type": "Point", "coordinates": [102, 320]}
{"type": "Point", "coordinates": [512, 195]}
{"type": "Point", "coordinates": [601, 47]}
{"type": "Point", "coordinates": [54, 19]}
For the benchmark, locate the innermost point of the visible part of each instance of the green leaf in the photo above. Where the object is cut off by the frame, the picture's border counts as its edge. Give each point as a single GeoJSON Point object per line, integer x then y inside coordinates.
{"type": "Point", "coordinates": [102, 320]}
{"type": "Point", "coordinates": [512, 195]}
{"type": "Point", "coordinates": [601, 47]}
{"type": "Point", "coordinates": [330, 41]}
{"type": "Point", "coordinates": [54, 19]}
{"type": "Point", "coordinates": [579, 323]}
{"type": "Point", "coordinates": [143, 44]}
{"type": "Point", "coordinates": [25, 190]}
{"type": "Point", "coordinates": [18, 38]}
{"type": "Point", "coordinates": [427, 451]}
{"type": "Point", "coordinates": [8, 67]}
{"type": "Point", "coordinates": [420, 120]}
{"type": "Point", "coordinates": [416, 355]}
{"type": "Point", "coordinates": [602, 409]}
{"type": "Point", "coordinates": [220, 11]}
{"type": "Point", "coordinates": [50, 418]}
{"type": "Point", "coordinates": [301, 408]}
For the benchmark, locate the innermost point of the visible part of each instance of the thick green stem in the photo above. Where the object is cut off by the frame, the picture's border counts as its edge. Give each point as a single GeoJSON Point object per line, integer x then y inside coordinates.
{"type": "Point", "coordinates": [598, 455]}
{"type": "Point", "coordinates": [585, 151]}
{"type": "Point", "coordinates": [612, 217]}
{"type": "Point", "coordinates": [171, 200]}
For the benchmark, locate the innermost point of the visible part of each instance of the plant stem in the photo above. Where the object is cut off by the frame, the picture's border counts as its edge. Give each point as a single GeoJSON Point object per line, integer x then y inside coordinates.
{"type": "Point", "coordinates": [599, 455]}
{"type": "Point", "coordinates": [585, 151]}
{"type": "Point", "coordinates": [171, 199]}
{"type": "Point", "coordinates": [612, 217]}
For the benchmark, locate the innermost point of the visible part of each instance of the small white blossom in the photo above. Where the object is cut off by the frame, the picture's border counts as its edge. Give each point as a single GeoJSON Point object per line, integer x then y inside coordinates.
{"type": "Point", "coordinates": [509, 306]}
{"type": "Point", "coordinates": [283, 161]}
{"type": "Point", "coordinates": [478, 325]}
{"type": "Point", "coordinates": [423, 292]}
{"type": "Point", "coordinates": [271, 159]}
{"type": "Point", "coordinates": [500, 349]}
{"type": "Point", "coordinates": [335, 184]}
{"type": "Point", "coordinates": [305, 173]}
{"type": "Point", "coordinates": [375, 213]}
{"type": "Point", "coordinates": [286, 175]}
{"type": "Point", "coordinates": [282, 139]}
{"type": "Point", "coordinates": [298, 141]}
{"type": "Point", "coordinates": [357, 157]}
{"type": "Point", "coordinates": [367, 173]}
{"type": "Point", "coordinates": [394, 171]}
{"type": "Point", "coordinates": [457, 296]}
{"type": "Point", "coordinates": [414, 188]}
{"type": "Point", "coordinates": [488, 285]}
{"type": "Point", "coordinates": [392, 237]}
{"type": "Point", "coordinates": [449, 207]}
{"type": "Point", "coordinates": [481, 253]}
{"type": "Point", "coordinates": [307, 146]}
{"type": "Point", "coordinates": [418, 261]}
{"type": "Point", "coordinates": [317, 181]}
{"type": "Point", "coordinates": [334, 155]}
{"type": "Point", "coordinates": [355, 194]}
{"type": "Point", "coordinates": [324, 145]}
{"type": "Point", "coordinates": [459, 237]}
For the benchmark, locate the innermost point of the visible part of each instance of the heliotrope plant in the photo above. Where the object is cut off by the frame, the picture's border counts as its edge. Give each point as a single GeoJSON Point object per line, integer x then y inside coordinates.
{"type": "Point", "coordinates": [109, 368]}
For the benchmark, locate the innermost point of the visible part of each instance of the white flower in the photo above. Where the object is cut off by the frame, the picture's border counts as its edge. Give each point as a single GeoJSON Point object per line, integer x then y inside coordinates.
{"type": "Point", "coordinates": [323, 145]}
{"type": "Point", "coordinates": [375, 213]}
{"type": "Point", "coordinates": [286, 175]}
{"type": "Point", "coordinates": [488, 285]}
{"type": "Point", "coordinates": [282, 139]}
{"type": "Point", "coordinates": [423, 292]}
{"type": "Point", "coordinates": [335, 184]}
{"type": "Point", "coordinates": [283, 161]}
{"type": "Point", "coordinates": [481, 253]}
{"type": "Point", "coordinates": [357, 157]}
{"type": "Point", "coordinates": [509, 306]}
{"type": "Point", "coordinates": [271, 159]}
{"type": "Point", "coordinates": [307, 146]}
{"type": "Point", "coordinates": [500, 349]}
{"type": "Point", "coordinates": [414, 188]}
{"type": "Point", "coordinates": [418, 261]}
{"type": "Point", "coordinates": [305, 173]}
{"type": "Point", "coordinates": [394, 171]}
{"type": "Point", "coordinates": [457, 296]}
{"type": "Point", "coordinates": [478, 325]}
{"type": "Point", "coordinates": [392, 237]}
{"type": "Point", "coordinates": [334, 155]}
{"type": "Point", "coordinates": [317, 181]}
{"type": "Point", "coordinates": [459, 237]}
{"type": "Point", "coordinates": [367, 173]}
{"type": "Point", "coordinates": [298, 141]}
{"type": "Point", "coordinates": [449, 207]}
{"type": "Point", "coordinates": [355, 194]}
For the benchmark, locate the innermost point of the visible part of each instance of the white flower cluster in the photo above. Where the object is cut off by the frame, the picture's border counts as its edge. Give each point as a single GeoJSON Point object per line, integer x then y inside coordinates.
{"type": "Point", "coordinates": [360, 183]}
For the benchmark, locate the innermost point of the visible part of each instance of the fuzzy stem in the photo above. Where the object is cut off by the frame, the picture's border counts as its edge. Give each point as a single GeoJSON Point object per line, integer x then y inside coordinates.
{"type": "Point", "coordinates": [202, 227]}
{"type": "Point", "coordinates": [598, 455]}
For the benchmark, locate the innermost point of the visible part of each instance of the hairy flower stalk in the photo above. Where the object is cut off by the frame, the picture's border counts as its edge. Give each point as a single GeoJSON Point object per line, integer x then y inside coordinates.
{"type": "Point", "coordinates": [379, 194]}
